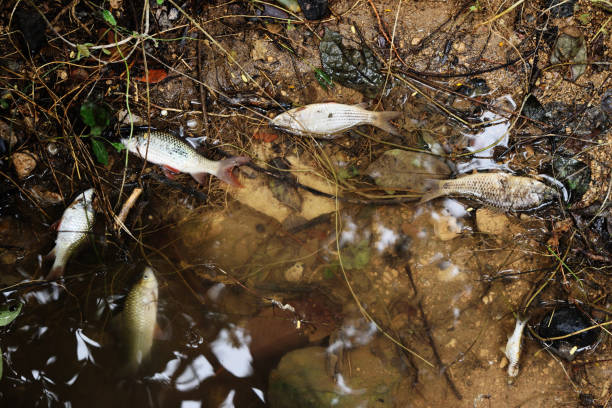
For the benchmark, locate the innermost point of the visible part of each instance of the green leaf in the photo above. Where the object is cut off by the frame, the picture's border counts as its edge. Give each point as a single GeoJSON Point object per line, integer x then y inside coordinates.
{"type": "Point", "coordinates": [83, 51]}
{"type": "Point", "coordinates": [4, 104]}
{"type": "Point", "coordinates": [95, 116]}
{"type": "Point", "coordinates": [95, 131]}
{"type": "Point", "coordinates": [99, 151]}
{"type": "Point", "coordinates": [109, 18]}
{"type": "Point", "coordinates": [323, 79]}
{"type": "Point", "coordinates": [105, 51]}
{"type": "Point", "coordinates": [118, 146]}
{"type": "Point", "coordinates": [160, 2]}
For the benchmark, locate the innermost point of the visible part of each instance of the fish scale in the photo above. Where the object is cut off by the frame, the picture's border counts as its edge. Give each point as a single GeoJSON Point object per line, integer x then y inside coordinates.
{"type": "Point", "coordinates": [175, 154]}
{"type": "Point", "coordinates": [326, 119]}
{"type": "Point", "coordinates": [74, 227]}
{"type": "Point", "coordinates": [166, 149]}
{"type": "Point", "coordinates": [501, 190]}
{"type": "Point", "coordinates": [139, 317]}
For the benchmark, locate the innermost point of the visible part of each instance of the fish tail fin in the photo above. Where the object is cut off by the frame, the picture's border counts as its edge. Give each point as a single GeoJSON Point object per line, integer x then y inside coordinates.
{"type": "Point", "coordinates": [435, 192]}
{"type": "Point", "coordinates": [382, 120]}
{"type": "Point", "coordinates": [226, 168]}
{"type": "Point", "coordinates": [57, 269]}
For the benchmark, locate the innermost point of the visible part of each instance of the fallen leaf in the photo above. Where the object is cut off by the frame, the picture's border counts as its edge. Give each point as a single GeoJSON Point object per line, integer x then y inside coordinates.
{"type": "Point", "coordinates": [155, 76]}
{"type": "Point", "coordinates": [264, 136]}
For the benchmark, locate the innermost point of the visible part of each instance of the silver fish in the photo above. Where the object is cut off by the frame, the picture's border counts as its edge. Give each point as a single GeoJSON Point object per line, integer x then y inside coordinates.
{"type": "Point", "coordinates": [500, 190]}
{"type": "Point", "coordinates": [72, 230]}
{"type": "Point", "coordinates": [513, 347]}
{"type": "Point", "coordinates": [326, 120]}
{"type": "Point", "coordinates": [139, 318]}
{"type": "Point", "coordinates": [178, 156]}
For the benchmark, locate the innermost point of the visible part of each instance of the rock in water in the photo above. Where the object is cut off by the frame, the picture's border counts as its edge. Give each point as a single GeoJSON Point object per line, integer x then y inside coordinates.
{"type": "Point", "coordinates": [314, 9]}
{"type": "Point", "coordinates": [564, 321]}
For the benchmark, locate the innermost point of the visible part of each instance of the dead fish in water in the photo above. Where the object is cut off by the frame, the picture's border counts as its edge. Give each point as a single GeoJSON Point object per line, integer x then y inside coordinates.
{"type": "Point", "coordinates": [513, 347]}
{"type": "Point", "coordinates": [500, 190]}
{"type": "Point", "coordinates": [138, 319]}
{"type": "Point", "coordinates": [177, 156]}
{"type": "Point", "coordinates": [325, 120]}
{"type": "Point", "coordinates": [73, 228]}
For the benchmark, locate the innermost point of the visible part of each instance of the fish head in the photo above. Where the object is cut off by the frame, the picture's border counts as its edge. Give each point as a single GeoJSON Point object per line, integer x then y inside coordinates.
{"type": "Point", "coordinates": [148, 282]}
{"type": "Point", "coordinates": [284, 120]}
{"type": "Point", "coordinates": [547, 193]}
{"type": "Point", "coordinates": [9, 312]}
{"type": "Point", "coordinates": [87, 195]}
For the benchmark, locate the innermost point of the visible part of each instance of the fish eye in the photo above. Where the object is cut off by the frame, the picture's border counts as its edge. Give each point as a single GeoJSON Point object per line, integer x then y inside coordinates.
{"type": "Point", "coordinates": [12, 308]}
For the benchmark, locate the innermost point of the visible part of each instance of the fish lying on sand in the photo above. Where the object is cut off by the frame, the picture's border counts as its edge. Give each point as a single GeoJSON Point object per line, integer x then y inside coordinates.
{"type": "Point", "coordinates": [513, 347]}
{"type": "Point", "coordinates": [8, 312]}
{"type": "Point", "coordinates": [73, 228]}
{"type": "Point", "coordinates": [138, 319]}
{"type": "Point", "coordinates": [500, 190]}
{"type": "Point", "coordinates": [326, 120]}
{"type": "Point", "coordinates": [177, 156]}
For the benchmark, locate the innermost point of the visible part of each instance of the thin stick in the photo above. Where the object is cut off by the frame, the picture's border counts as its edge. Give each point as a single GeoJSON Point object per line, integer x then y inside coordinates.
{"type": "Point", "coordinates": [127, 206]}
{"type": "Point", "coordinates": [442, 367]}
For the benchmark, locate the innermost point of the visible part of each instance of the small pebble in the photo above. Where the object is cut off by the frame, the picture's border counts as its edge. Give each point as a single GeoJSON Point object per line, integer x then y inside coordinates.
{"type": "Point", "coordinates": [192, 123]}
{"type": "Point", "coordinates": [24, 163]}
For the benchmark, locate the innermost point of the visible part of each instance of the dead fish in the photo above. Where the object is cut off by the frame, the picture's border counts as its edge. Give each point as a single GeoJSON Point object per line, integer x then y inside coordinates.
{"type": "Point", "coordinates": [326, 120]}
{"type": "Point", "coordinates": [513, 347]}
{"type": "Point", "coordinates": [500, 190]}
{"type": "Point", "coordinates": [73, 228]}
{"type": "Point", "coordinates": [139, 318]}
{"type": "Point", "coordinates": [177, 156]}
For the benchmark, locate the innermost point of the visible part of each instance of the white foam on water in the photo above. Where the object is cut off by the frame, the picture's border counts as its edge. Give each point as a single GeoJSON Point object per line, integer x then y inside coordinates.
{"type": "Point", "coordinates": [483, 142]}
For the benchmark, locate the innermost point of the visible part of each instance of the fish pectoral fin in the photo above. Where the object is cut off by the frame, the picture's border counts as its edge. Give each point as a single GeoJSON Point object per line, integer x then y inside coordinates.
{"type": "Point", "coordinates": [162, 333]}
{"type": "Point", "coordinates": [170, 172]}
{"type": "Point", "coordinates": [55, 226]}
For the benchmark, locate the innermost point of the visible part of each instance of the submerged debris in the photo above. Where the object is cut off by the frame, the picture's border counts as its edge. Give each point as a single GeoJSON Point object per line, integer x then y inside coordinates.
{"type": "Point", "coordinates": [398, 168]}
{"type": "Point", "coordinates": [565, 321]}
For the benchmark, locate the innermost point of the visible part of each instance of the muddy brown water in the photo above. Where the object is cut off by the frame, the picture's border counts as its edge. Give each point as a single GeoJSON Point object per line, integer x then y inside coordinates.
{"type": "Point", "coordinates": [221, 339]}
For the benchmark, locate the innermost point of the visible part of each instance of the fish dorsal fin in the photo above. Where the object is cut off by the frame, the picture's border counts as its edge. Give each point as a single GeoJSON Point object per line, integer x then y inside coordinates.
{"type": "Point", "coordinates": [362, 105]}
